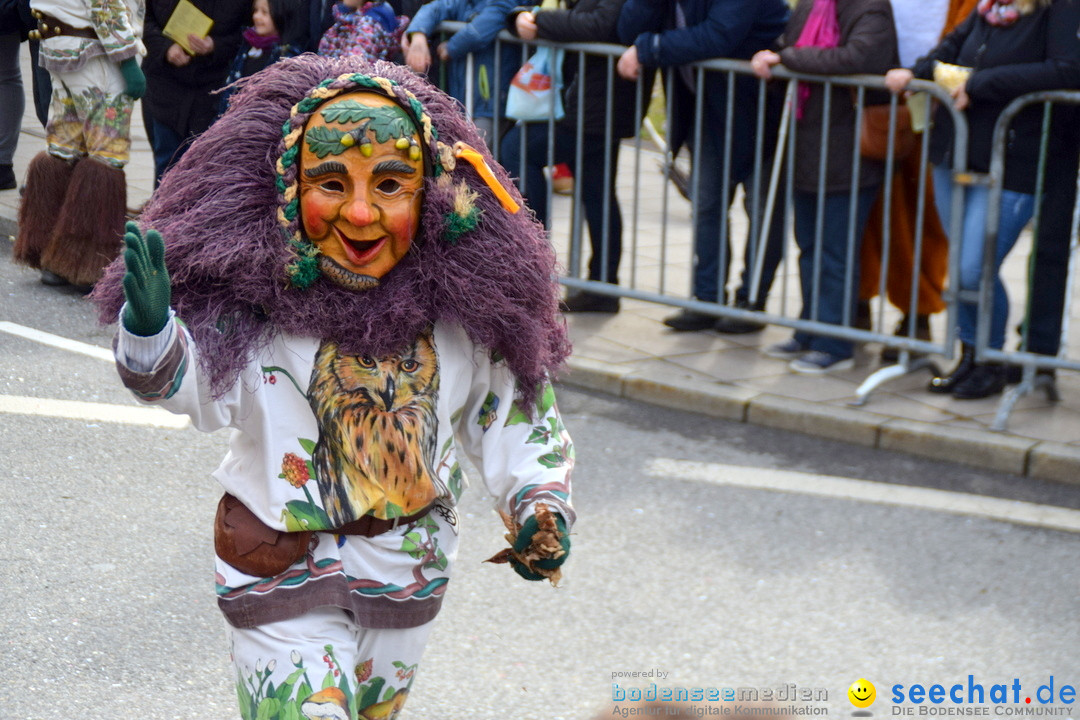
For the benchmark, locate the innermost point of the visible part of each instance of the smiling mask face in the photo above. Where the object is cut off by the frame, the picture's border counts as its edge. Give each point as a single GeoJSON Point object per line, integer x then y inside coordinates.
{"type": "Point", "coordinates": [361, 186]}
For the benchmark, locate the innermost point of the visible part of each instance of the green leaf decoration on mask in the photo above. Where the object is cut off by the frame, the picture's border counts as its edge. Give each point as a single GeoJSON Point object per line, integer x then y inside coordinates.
{"type": "Point", "coordinates": [349, 111]}
{"type": "Point", "coordinates": [386, 121]}
{"type": "Point", "coordinates": [323, 141]}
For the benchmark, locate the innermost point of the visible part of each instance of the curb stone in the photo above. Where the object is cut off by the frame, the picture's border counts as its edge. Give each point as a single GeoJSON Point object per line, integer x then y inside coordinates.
{"type": "Point", "coordinates": [713, 399]}
{"type": "Point", "coordinates": [1055, 461]}
{"type": "Point", "coordinates": [978, 448]}
{"type": "Point", "coordinates": [818, 419]}
{"type": "Point", "coordinates": [993, 451]}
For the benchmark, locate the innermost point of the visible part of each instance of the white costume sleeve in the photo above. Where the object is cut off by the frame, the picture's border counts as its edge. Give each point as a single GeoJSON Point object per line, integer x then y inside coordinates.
{"type": "Point", "coordinates": [524, 457]}
{"type": "Point", "coordinates": [163, 369]}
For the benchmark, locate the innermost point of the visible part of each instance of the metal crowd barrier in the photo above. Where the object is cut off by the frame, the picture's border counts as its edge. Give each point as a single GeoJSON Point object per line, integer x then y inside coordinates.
{"type": "Point", "coordinates": [657, 247]}
{"type": "Point", "coordinates": [1037, 369]}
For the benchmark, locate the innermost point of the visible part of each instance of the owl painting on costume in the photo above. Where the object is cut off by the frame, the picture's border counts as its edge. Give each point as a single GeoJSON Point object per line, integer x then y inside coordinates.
{"type": "Point", "coordinates": [377, 430]}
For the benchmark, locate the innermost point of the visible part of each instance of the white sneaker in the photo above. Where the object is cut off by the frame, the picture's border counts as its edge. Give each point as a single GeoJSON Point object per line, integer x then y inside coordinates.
{"type": "Point", "coordinates": [816, 362]}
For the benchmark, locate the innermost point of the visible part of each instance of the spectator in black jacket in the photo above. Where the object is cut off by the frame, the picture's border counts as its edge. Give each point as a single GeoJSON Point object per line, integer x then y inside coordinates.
{"type": "Point", "coordinates": [179, 102]}
{"type": "Point", "coordinates": [669, 34]}
{"type": "Point", "coordinates": [604, 126]}
{"type": "Point", "coordinates": [1010, 49]}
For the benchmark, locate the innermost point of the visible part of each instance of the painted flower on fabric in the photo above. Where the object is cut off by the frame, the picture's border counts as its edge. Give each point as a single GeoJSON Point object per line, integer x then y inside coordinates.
{"type": "Point", "coordinates": [363, 670]}
{"type": "Point", "coordinates": [295, 470]}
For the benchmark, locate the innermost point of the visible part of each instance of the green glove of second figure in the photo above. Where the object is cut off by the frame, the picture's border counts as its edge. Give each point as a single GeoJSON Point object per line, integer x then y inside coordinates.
{"type": "Point", "coordinates": [146, 283]}
{"type": "Point", "coordinates": [134, 79]}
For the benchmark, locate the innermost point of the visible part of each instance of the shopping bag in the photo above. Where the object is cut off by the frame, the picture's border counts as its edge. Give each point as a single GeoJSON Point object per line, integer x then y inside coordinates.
{"type": "Point", "coordinates": [536, 86]}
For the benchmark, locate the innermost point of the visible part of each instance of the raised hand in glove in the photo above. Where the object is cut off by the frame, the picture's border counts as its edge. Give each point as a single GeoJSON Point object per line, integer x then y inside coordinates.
{"type": "Point", "coordinates": [134, 80]}
{"type": "Point", "coordinates": [146, 283]}
{"type": "Point", "coordinates": [538, 547]}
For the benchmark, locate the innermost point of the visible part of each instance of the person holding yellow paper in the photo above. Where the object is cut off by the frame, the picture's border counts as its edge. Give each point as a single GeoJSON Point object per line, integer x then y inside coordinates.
{"type": "Point", "coordinates": [187, 23]}
{"type": "Point", "coordinates": [1004, 49]}
{"type": "Point", "coordinates": [183, 71]}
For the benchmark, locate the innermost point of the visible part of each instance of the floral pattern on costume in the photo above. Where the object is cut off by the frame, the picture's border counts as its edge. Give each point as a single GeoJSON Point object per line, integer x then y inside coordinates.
{"type": "Point", "coordinates": [90, 122]}
{"type": "Point", "coordinates": [338, 695]}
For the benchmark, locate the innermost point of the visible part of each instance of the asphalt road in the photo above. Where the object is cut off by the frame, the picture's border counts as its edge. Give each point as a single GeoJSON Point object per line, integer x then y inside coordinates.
{"type": "Point", "coordinates": [107, 606]}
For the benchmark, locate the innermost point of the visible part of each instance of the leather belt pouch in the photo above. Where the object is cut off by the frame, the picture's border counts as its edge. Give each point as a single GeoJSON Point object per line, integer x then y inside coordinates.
{"type": "Point", "coordinates": [249, 545]}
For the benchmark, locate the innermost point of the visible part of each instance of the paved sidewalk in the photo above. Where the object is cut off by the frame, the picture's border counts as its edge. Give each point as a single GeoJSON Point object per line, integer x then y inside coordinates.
{"type": "Point", "coordinates": [633, 355]}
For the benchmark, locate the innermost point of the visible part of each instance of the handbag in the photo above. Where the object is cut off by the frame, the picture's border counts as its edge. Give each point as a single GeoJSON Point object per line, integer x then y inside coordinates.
{"type": "Point", "coordinates": [536, 89]}
{"type": "Point", "coordinates": [250, 545]}
{"type": "Point", "coordinates": [874, 139]}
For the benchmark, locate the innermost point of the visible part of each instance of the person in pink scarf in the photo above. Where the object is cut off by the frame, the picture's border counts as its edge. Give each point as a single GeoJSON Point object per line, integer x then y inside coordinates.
{"type": "Point", "coordinates": [829, 37]}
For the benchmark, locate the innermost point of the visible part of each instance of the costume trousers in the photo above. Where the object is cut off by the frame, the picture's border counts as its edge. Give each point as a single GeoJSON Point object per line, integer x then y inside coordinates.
{"type": "Point", "coordinates": [901, 274]}
{"type": "Point", "coordinates": [605, 236]}
{"type": "Point", "coordinates": [1015, 212]}
{"type": "Point", "coordinates": [90, 115]}
{"type": "Point", "coordinates": [323, 665]}
{"type": "Point", "coordinates": [829, 264]}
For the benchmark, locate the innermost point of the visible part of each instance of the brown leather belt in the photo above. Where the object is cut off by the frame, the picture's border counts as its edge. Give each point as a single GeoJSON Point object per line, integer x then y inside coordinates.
{"type": "Point", "coordinates": [50, 27]}
{"type": "Point", "coordinates": [370, 526]}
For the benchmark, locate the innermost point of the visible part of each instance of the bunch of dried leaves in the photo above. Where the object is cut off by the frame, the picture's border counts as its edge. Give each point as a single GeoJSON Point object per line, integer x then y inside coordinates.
{"type": "Point", "coordinates": [545, 544]}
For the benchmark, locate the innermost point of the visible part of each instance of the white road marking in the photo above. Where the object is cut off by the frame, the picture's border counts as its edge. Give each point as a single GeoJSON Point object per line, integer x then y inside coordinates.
{"type": "Point", "coordinates": [56, 341]}
{"type": "Point", "coordinates": [91, 411]}
{"type": "Point", "coordinates": [1014, 511]}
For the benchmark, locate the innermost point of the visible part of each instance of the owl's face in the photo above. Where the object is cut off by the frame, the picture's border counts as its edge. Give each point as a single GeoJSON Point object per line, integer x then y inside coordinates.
{"type": "Point", "coordinates": [392, 382]}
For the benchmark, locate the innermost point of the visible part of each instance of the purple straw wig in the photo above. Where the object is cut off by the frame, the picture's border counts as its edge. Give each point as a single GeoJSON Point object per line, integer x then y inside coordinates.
{"type": "Point", "coordinates": [231, 246]}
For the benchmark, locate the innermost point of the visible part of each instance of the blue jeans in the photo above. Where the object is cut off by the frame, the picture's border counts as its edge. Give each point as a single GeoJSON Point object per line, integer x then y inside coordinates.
{"type": "Point", "coordinates": [604, 261]}
{"type": "Point", "coordinates": [835, 291]}
{"type": "Point", "coordinates": [710, 209]}
{"type": "Point", "coordinates": [1016, 211]}
{"type": "Point", "coordinates": [168, 148]}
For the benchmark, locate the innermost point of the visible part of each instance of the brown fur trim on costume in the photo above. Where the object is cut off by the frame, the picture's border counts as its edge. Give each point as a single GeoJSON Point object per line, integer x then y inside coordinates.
{"type": "Point", "coordinates": [89, 232]}
{"type": "Point", "coordinates": [47, 181]}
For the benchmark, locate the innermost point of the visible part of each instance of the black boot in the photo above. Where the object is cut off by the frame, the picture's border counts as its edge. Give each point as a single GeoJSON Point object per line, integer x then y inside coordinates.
{"type": "Point", "coordinates": [983, 381]}
{"type": "Point", "coordinates": [7, 178]}
{"type": "Point", "coordinates": [944, 385]}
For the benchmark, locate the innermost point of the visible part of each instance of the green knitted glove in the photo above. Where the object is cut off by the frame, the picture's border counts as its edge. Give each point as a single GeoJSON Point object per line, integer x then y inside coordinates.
{"type": "Point", "coordinates": [524, 540]}
{"type": "Point", "coordinates": [134, 80]}
{"type": "Point", "coordinates": [146, 284]}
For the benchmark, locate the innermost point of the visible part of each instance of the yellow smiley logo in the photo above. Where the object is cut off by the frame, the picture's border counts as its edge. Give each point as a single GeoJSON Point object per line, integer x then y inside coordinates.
{"type": "Point", "coordinates": [862, 693]}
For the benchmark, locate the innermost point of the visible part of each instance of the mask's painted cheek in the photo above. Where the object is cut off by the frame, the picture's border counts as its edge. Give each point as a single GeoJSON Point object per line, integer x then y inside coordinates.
{"type": "Point", "coordinates": [402, 224]}
{"type": "Point", "coordinates": [316, 210]}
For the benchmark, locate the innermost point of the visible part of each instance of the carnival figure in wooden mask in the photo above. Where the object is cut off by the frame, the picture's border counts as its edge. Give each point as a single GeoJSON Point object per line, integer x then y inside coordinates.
{"type": "Point", "coordinates": [361, 295]}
